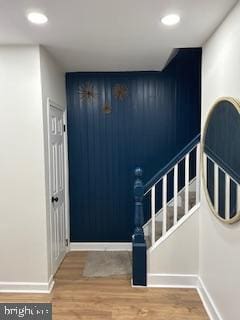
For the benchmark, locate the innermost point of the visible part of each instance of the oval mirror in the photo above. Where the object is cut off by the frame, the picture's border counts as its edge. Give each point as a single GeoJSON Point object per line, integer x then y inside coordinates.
{"type": "Point", "coordinates": [221, 159]}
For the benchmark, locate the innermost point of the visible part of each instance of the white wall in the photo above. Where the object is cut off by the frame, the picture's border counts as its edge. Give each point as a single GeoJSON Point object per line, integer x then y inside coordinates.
{"type": "Point", "coordinates": [220, 243]}
{"type": "Point", "coordinates": [23, 237]}
{"type": "Point", "coordinates": [177, 255]}
{"type": "Point", "coordinates": [28, 76]}
{"type": "Point", "coordinates": [53, 87]}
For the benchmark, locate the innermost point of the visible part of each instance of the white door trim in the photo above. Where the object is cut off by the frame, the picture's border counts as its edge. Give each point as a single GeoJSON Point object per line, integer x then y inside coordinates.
{"type": "Point", "coordinates": [51, 103]}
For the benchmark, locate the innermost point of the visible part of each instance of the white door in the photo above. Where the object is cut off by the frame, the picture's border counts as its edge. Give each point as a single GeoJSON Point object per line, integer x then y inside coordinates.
{"type": "Point", "coordinates": [57, 186]}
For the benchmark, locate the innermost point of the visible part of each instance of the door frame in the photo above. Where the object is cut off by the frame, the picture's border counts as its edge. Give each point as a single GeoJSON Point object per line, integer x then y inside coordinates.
{"type": "Point", "coordinates": [51, 103]}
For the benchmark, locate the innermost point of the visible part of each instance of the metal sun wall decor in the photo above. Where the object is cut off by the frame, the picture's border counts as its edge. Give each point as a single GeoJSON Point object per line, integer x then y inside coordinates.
{"type": "Point", "coordinates": [87, 92]}
{"type": "Point", "coordinates": [120, 91]}
{"type": "Point", "coordinates": [107, 108]}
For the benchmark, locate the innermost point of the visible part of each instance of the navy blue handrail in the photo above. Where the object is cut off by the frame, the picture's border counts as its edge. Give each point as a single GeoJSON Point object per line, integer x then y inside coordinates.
{"type": "Point", "coordinates": [172, 162]}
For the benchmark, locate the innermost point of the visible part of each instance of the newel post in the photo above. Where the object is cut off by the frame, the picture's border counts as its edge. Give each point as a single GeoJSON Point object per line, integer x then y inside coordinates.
{"type": "Point", "coordinates": [139, 264]}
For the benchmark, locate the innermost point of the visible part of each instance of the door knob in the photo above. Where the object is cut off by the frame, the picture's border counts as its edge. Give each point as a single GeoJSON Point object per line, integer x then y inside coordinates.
{"type": "Point", "coordinates": [54, 199]}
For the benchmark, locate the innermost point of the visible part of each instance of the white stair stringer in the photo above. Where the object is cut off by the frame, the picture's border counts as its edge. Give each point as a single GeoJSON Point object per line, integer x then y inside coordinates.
{"type": "Point", "coordinates": [170, 214]}
{"type": "Point", "coordinates": [175, 253]}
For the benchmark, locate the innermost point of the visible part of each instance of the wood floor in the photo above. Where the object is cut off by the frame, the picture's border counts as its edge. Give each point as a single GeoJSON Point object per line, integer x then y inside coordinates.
{"type": "Point", "coordinates": [77, 298]}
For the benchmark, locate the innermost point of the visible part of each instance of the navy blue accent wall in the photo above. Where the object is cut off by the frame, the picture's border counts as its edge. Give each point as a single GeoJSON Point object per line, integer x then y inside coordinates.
{"type": "Point", "coordinates": [159, 116]}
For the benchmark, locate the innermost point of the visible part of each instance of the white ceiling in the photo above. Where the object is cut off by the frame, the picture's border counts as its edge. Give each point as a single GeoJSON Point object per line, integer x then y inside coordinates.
{"type": "Point", "coordinates": [111, 35]}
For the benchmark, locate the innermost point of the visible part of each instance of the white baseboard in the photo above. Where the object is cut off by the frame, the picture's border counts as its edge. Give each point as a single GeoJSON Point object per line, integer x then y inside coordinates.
{"type": "Point", "coordinates": [207, 301]}
{"type": "Point", "coordinates": [101, 246]}
{"type": "Point", "coordinates": [186, 281]}
{"type": "Point", "coordinates": [27, 287]}
{"type": "Point", "coordinates": [172, 280]}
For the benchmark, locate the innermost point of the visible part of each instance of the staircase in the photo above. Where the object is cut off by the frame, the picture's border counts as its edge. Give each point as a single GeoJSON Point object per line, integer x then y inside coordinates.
{"type": "Point", "coordinates": [170, 214]}
{"type": "Point", "coordinates": [179, 183]}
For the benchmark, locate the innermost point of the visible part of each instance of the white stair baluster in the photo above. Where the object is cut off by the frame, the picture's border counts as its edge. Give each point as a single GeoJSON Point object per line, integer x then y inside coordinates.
{"type": "Point", "coordinates": [186, 183]}
{"type": "Point", "coordinates": [216, 186]}
{"type": "Point", "coordinates": [205, 168]}
{"type": "Point", "coordinates": [153, 211]}
{"type": "Point", "coordinates": [238, 198]}
{"type": "Point", "coordinates": [164, 199]}
{"type": "Point", "coordinates": [175, 194]}
{"type": "Point", "coordinates": [227, 196]}
{"type": "Point", "coordinates": [198, 174]}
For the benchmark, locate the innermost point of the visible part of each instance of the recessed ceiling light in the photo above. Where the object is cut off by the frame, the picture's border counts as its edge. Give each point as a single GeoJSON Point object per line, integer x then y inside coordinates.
{"type": "Point", "coordinates": [37, 17]}
{"type": "Point", "coordinates": [171, 19]}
